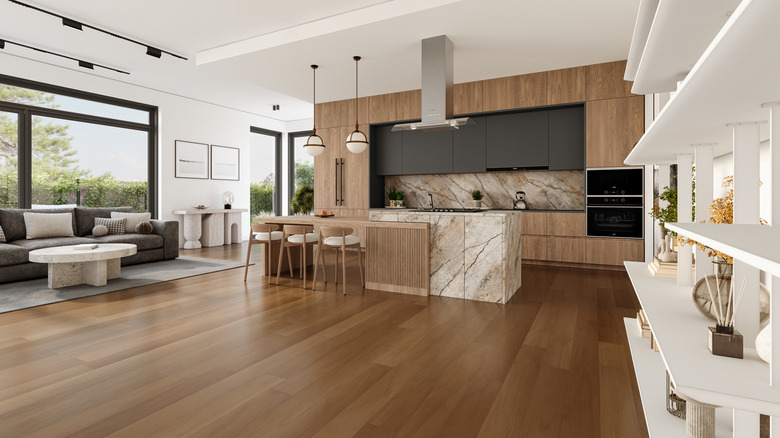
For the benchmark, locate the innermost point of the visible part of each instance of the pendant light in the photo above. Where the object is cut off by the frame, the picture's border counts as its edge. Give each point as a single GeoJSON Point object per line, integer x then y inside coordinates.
{"type": "Point", "coordinates": [357, 141]}
{"type": "Point", "coordinates": [314, 145]}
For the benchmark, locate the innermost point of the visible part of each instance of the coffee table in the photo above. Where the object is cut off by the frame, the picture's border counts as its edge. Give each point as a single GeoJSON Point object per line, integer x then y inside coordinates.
{"type": "Point", "coordinates": [69, 266]}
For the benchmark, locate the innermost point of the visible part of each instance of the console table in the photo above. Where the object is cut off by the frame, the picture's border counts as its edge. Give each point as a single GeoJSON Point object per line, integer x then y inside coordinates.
{"type": "Point", "coordinates": [211, 227]}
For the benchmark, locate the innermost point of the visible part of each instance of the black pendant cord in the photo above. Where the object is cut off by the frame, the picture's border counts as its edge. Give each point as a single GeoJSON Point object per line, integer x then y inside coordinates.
{"type": "Point", "coordinates": [314, 98]}
{"type": "Point", "coordinates": [356, 58]}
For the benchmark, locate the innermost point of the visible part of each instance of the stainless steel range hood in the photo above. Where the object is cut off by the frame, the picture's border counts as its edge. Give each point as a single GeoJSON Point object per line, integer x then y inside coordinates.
{"type": "Point", "coordinates": [437, 81]}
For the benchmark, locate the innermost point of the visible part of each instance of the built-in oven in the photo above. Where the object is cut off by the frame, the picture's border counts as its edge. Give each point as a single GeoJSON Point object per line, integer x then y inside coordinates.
{"type": "Point", "coordinates": [614, 204]}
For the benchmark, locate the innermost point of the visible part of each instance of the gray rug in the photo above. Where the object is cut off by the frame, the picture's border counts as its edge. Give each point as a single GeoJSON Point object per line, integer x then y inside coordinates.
{"type": "Point", "coordinates": [32, 293]}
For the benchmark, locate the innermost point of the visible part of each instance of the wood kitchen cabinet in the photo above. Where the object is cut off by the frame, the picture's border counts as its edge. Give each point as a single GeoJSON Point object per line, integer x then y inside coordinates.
{"type": "Point", "coordinates": [467, 98]}
{"type": "Point", "coordinates": [566, 144]}
{"type": "Point", "coordinates": [340, 177]}
{"type": "Point", "coordinates": [613, 126]}
{"type": "Point", "coordinates": [427, 152]}
{"type": "Point", "coordinates": [517, 140]}
{"type": "Point", "coordinates": [469, 145]}
{"type": "Point", "coordinates": [389, 149]}
{"type": "Point", "coordinates": [353, 174]}
{"type": "Point", "coordinates": [566, 85]}
{"type": "Point", "coordinates": [325, 178]}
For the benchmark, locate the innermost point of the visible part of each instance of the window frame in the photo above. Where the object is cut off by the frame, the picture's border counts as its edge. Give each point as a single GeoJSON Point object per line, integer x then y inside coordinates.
{"type": "Point", "coordinates": [277, 165]}
{"type": "Point", "coordinates": [291, 136]}
{"type": "Point", "coordinates": [25, 135]}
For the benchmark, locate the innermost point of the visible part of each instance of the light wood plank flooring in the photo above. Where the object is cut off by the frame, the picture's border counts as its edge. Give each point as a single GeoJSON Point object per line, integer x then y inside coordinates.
{"type": "Point", "coordinates": [212, 356]}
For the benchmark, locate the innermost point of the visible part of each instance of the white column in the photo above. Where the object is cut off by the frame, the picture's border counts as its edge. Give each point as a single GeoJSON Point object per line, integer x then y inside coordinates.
{"type": "Point", "coordinates": [746, 424]}
{"type": "Point", "coordinates": [704, 164]}
{"type": "Point", "coordinates": [746, 211]}
{"type": "Point", "coordinates": [684, 205]}
{"type": "Point", "coordinates": [773, 181]}
{"type": "Point", "coordinates": [774, 427]}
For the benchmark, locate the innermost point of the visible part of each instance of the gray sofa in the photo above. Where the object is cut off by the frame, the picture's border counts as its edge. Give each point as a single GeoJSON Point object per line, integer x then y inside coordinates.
{"type": "Point", "coordinates": [162, 244]}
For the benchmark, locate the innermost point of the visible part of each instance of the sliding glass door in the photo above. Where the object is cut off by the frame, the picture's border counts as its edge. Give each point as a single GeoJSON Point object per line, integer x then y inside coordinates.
{"type": "Point", "coordinates": [265, 173]}
{"type": "Point", "coordinates": [9, 158]}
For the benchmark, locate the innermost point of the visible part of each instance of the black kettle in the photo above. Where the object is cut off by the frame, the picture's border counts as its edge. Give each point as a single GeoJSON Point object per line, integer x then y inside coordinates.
{"type": "Point", "coordinates": [520, 201]}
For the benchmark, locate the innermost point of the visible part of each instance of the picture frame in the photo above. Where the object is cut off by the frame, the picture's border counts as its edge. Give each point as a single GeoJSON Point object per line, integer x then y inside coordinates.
{"type": "Point", "coordinates": [225, 163]}
{"type": "Point", "coordinates": [192, 160]}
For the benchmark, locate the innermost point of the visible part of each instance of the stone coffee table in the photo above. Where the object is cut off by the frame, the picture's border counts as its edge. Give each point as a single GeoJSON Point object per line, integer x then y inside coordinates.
{"type": "Point", "coordinates": [69, 266]}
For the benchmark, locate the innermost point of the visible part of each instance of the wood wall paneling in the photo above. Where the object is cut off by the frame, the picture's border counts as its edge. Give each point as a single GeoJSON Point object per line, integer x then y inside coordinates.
{"type": "Point", "coordinates": [566, 249]}
{"type": "Point", "coordinates": [467, 98]}
{"type": "Point", "coordinates": [382, 108]}
{"type": "Point", "coordinates": [398, 260]}
{"type": "Point", "coordinates": [613, 126]}
{"type": "Point", "coordinates": [325, 170]}
{"type": "Point", "coordinates": [566, 224]}
{"type": "Point", "coordinates": [533, 247]}
{"type": "Point", "coordinates": [499, 94]}
{"type": "Point", "coordinates": [328, 114]}
{"type": "Point", "coordinates": [534, 222]}
{"type": "Point", "coordinates": [566, 85]}
{"type": "Point", "coordinates": [605, 81]}
{"type": "Point", "coordinates": [530, 90]}
{"type": "Point", "coordinates": [408, 105]}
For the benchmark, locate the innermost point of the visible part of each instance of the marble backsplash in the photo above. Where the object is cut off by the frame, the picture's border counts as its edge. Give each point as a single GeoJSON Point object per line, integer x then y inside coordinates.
{"type": "Point", "coordinates": [544, 190]}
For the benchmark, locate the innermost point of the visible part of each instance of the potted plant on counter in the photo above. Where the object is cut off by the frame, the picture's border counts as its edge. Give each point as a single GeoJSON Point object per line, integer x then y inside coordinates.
{"type": "Point", "coordinates": [396, 197]}
{"type": "Point", "coordinates": [476, 198]}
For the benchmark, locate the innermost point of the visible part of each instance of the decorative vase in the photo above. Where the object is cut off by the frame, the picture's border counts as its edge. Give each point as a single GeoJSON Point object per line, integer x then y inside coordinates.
{"type": "Point", "coordinates": [399, 203]}
{"type": "Point", "coordinates": [667, 255]}
{"type": "Point", "coordinates": [764, 343]}
{"type": "Point", "coordinates": [393, 203]}
{"type": "Point", "coordinates": [475, 203]}
{"type": "Point", "coordinates": [722, 275]}
{"type": "Point", "coordinates": [660, 249]}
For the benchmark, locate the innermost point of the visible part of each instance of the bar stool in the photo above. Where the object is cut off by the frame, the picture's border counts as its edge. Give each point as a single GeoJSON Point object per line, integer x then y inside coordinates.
{"type": "Point", "coordinates": [262, 234]}
{"type": "Point", "coordinates": [338, 239]}
{"type": "Point", "coordinates": [292, 236]}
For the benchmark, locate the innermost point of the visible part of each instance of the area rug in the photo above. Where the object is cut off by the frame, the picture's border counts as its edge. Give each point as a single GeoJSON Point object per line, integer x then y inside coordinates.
{"type": "Point", "coordinates": [32, 293]}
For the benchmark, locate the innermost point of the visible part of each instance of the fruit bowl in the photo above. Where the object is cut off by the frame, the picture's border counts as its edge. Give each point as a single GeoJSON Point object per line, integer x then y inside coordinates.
{"type": "Point", "coordinates": [325, 213]}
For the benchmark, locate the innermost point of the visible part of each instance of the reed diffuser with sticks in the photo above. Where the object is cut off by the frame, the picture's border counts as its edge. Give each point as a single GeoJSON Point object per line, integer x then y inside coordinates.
{"type": "Point", "coordinates": [724, 340]}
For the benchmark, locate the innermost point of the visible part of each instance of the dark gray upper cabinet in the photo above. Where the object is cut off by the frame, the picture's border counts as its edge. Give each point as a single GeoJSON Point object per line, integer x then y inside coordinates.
{"type": "Point", "coordinates": [468, 146]}
{"type": "Point", "coordinates": [427, 152]}
{"type": "Point", "coordinates": [389, 151]}
{"type": "Point", "coordinates": [567, 138]}
{"type": "Point", "coordinates": [517, 140]}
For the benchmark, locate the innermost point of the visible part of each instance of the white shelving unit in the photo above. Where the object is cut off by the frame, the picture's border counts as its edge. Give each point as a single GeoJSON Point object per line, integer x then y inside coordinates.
{"type": "Point", "coordinates": [756, 245]}
{"type": "Point", "coordinates": [650, 376]}
{"type": "Point", "coordinates": [681, 332]}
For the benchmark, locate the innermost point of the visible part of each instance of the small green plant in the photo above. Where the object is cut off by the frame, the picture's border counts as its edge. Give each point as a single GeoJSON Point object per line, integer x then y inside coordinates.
{"type": "Point", "coordinates": [303, 200]}
{"type": "Point", "coordinates": [476, 195]}
{"type": "Point", "coordinates": [394, 195]}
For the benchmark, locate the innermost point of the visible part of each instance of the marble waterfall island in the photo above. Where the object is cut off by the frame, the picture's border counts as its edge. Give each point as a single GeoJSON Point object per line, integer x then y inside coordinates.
{"type": "Point", "coordinates": [473, 256]}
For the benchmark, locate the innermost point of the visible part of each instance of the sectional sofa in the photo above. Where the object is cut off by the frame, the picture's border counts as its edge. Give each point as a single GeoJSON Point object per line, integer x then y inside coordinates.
{"type": "Point", "coordinates": [161, 244]}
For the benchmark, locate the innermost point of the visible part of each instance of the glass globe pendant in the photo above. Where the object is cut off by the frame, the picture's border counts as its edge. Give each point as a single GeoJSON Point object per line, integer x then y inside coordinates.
{"type": "Point", "coordinates": [357, 140]}
{"type": "Point", "coordinates": [314, 145]}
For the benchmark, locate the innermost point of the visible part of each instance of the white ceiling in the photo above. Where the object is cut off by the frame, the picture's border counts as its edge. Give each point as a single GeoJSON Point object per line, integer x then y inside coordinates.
{"type": "Point", "coordinates": [492, 38]}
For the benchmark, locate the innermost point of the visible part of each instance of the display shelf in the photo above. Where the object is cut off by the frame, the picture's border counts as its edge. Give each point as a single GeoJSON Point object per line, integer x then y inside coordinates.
{"type": "Point", "coordinates": [735, 75]}
{"type": "Point", "coordinates": [681, 332]}
{"type": "Point", "coordinates": [651, 378]}
{"type": "Point", "coordinates": [680, 33]}
{"type": "Point", "coordinates": [642, 25]}
{"type": "Point", "coordinates": [755, 245]}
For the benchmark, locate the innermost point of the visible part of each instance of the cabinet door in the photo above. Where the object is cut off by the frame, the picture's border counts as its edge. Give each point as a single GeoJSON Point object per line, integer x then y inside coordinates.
{"type": "Point", "coordinates": [533, 247]}
{"type": "Point", "coordinates": [534, 222]}
{"type": "Point", "coordinates": [566, 224]}
{"type": "Point", "coordinates": [427, 152]}
{"type": "Point", "coordinates": [567, 138]}
{"type": "Point", "coordinates": [613, 251]}
{"type": "Point", "coordinates": [325, 182]}
{"type": "Point", "coordinates": [353, 183]}
{"type": "Point", "coordinates": [566, 249]}
{"type": "Point", "coordinates": [613, 128]}
{"type": "Point", "coordinates": [389, 150]}
{"type": "Point", "coordinates": [468, 146]}
{"type": "Point", "coordinates": [517, 140]}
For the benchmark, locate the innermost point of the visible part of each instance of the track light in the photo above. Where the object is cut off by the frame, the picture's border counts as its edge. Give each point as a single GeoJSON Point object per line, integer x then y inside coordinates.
{"type": "Point", "coordinates": [82, 63]}
{"type": "Point", "coordinates": [69, 22]}
{"type": "Point", "coordinates": [73, 24]}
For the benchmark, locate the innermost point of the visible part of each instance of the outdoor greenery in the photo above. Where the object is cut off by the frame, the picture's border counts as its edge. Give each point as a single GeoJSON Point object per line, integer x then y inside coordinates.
{"type": "Point", "coordinates": [303, 200]}
{"type": "Point", "coordinates": [57, 177]}
{"type": "Point", "coordinates": [261, 194]}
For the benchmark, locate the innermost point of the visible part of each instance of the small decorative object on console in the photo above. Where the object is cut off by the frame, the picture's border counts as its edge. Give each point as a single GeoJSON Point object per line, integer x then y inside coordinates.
{"type": "Point", "coordinates": [476, 198]}
{"type": "Point", "coordinates": [228, 199]}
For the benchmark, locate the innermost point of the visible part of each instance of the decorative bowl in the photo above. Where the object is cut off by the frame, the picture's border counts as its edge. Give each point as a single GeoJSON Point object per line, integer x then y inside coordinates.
{"type": "Point", "coordinates": [200, 207]}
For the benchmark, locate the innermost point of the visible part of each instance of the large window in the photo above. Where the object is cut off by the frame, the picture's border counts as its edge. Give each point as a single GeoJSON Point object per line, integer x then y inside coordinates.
{"type": "Point", "coordinates": [65, 147]}
{"type": "Point", "coordinates": [301, 164]}
{"type": "Point", "coordinates": [265, 173]}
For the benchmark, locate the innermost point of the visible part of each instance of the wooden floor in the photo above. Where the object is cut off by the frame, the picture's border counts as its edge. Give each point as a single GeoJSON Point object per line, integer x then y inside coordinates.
{"type": "Point", "coordinates": [212, 356]}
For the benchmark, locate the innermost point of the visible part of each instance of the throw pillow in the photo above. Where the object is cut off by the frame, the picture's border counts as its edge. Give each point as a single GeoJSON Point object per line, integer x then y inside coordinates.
{"type": "Point", "coordinates": [2, 235]}
{"type": "Point", "coordinates": [114, 226]}
{"type": "Point", "coordinates": [44, 225]}
{"type": "Point", "coordinates": [144, 228]}
{"type": "Point", "coordinates": [133, 219]}
{"type": "Point", "coordinates": [99, 231]}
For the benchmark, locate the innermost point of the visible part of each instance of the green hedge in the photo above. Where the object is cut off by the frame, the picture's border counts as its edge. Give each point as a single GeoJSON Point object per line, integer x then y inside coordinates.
{"type": "Point", "coordinates": [261, 199]}
{"type": "Point", "coordinates": [88, 192]}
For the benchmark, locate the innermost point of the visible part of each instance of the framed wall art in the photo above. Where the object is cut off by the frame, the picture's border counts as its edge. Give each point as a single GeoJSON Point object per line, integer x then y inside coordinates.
{"type": "Point", "coordinates": [192, 160]}
{"type": "Point", "coordinates": [225, 163]}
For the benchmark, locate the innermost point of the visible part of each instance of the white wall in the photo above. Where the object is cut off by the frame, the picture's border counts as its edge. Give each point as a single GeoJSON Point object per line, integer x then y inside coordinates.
{"type": "Point", "coordinates": [180, 118]}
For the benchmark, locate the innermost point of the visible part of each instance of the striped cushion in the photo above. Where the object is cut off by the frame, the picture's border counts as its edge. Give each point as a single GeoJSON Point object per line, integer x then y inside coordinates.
{"type": "Point", "coordinates": [298, 238]}
{"type": "Point", "coordinates": [2, 235]}
{"type": "Point", "coordinates": [336, 241]}
{"type": "Point", "coordinates": [275, 235]}
{"type": "Point", "coordinates": [114, 226]}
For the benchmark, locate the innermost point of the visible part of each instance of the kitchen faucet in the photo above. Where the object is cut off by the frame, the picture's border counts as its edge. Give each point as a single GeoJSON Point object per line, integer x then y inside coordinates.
{"type": "Point", "coordinates": [431, 197]}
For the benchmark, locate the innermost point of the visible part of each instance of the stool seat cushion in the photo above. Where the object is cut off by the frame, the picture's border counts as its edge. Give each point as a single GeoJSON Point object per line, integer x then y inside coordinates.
{"type": "Point", "coordinates": [298, 238]}
{"type": "Point", "coordinates": [336, 241]}
{"type": "Point", "coordinates": [275, 235]}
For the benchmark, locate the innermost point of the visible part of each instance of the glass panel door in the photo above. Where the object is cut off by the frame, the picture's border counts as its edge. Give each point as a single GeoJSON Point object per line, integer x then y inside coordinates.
{"type": "Point", "coordinates": [9, 159]}
{"type": "Point", "coordinates": [264, 174]}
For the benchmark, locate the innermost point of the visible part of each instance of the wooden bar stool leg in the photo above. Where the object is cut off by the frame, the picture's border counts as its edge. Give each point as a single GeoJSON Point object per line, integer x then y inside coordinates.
{"type": "Point", "coordinates": [303, 263]}
{"type": "Point", "coordinates": [316, 265]}
{"type": "Point", "coordinates": [360, 264]}
{"type": "Point", "coordinates": [336, 269]}
{"type": "Point", "coordinates": [322, 260]}
{"type": "Point", "coordinates": [281, 257]}
{"type": "Point", "coordinates": [267, 255]}
{"type": "Point", "coordinates": [301, 258]}
{"type": "Point", "coordinates": [344, 269]}
{"type": "Point", "coordinates": [289, 262]}
{"type": "Point", "coordinates": [248, 252]}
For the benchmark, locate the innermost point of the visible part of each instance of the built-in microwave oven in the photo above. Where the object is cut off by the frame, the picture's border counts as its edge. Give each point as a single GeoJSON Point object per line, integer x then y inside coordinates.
{"type": "Point", "coordinates": [614, 204]}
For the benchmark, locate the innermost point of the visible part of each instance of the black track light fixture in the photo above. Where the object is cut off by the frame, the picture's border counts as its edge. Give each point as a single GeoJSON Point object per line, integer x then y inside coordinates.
{"type": "Point", "coordinates": [75, 24]}
{"type": "Point", "coordinates": [82, 63]}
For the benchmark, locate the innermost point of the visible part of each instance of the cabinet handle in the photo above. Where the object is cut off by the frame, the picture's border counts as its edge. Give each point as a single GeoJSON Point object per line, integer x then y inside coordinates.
{"type": "Point", "coordinates": [336, 182]}
{"type": "Point", "coordinates": [341, 183]}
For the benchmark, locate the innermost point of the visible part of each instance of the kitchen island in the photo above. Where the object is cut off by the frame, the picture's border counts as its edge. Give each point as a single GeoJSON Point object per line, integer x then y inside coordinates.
{"type": "Point", "coordinates": [473, 255]}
